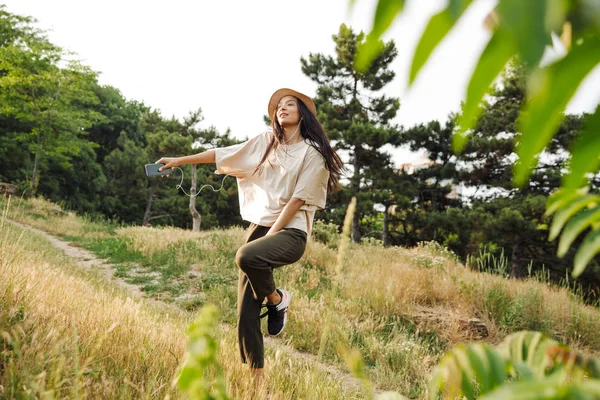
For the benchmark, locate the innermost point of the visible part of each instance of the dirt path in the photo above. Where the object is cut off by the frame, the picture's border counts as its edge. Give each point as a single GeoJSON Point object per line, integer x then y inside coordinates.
{"type": "Point", "coordinates": [85, 259]}
{"type": "Point", "coordinates": [88, 260]}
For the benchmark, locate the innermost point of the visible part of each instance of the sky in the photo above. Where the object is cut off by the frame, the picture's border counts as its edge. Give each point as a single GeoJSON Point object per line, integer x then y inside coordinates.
{"type": "Point", "coordinates": [228, 57]}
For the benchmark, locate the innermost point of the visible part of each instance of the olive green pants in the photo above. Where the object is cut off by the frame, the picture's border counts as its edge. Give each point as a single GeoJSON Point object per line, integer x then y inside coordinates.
{"type": "Point", "coordinates": [256, 260]}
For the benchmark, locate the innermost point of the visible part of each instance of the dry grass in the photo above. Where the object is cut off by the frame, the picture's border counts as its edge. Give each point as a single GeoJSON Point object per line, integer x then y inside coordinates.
{"type": "Point", "coordinates": [67, 333]}
{"type": "Point", "coordinates": [49, 217]}
{"type": "Point", "coordinates": [431, 301]}
{"type": "Point", "coordinates": [402, 308]}
{"type": "Point", "coordinates": [149, 241]}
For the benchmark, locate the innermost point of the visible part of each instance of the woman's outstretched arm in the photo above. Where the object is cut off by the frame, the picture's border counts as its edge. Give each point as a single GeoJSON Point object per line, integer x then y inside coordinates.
{"type": "Point", "coordinates": [206, 157]}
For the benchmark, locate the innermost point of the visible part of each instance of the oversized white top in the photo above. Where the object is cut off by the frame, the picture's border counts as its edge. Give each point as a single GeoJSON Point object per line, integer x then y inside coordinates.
{"type": "Point", "coordinates": [297, 170]}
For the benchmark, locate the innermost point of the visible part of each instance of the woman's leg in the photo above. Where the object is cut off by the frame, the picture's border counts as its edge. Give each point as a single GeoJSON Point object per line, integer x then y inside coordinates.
{"type": "Point", "coordinates": [256, 260]}
{"type": "Point", "coordinates": [250, 338]}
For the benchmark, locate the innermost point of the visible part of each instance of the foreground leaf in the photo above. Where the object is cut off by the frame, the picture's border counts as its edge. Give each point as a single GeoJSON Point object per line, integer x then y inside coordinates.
{"type": "Point", "coordinates": [551, 90]}
{"type": "Point", "coordinates": [528, 351]}
{"type": "Point", "coordinates": [468, 370]}
{"type": "Point", "coordinates": [438, 27]}
{"type": "Point", "coordinates": [549, 389]}
{"type": "Point", "coordinates": [525, 23]}
{"type": "Point", "coordinates": [386, 12]}
{"type": "Point", "coordinates": [588, 249]}
{"type": "Point", "coordinates": [569, 210]}
{"type": "Point", "coordinates": [584, 154]}
{"type": "Point", "coordinates": [561, 197]}
{"type": "Point", "coordinates": [575, 227]}
{"type": "Point", "coordinates": [494, 58]}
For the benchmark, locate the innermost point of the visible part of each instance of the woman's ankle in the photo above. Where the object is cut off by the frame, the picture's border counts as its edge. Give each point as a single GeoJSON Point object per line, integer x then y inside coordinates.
{"type": "Point", "coordinates": [274, 298]}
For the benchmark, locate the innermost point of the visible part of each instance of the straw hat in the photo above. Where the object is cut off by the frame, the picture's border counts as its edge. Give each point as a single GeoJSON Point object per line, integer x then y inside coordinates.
{"type": "Point", "coordinates": [281, 93]}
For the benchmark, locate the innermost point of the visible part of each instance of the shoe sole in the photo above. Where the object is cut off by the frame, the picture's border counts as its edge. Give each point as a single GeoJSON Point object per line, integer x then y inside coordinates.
{"type": "Point", "coordinates": [287, 307]}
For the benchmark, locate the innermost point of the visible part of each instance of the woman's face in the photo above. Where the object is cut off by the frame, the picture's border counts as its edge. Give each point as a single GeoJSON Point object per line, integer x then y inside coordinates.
{"type": "Point", "coordinates": [288, 113]}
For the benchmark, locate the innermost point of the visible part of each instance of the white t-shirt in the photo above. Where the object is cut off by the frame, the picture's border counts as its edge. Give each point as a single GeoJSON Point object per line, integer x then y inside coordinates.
{"type": "Point", "coordinates": [297, 170]}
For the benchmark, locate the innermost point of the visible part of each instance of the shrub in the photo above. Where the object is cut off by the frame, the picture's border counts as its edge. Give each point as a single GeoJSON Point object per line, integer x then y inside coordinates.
{"type": "Point", "coordinates": [326, 232]}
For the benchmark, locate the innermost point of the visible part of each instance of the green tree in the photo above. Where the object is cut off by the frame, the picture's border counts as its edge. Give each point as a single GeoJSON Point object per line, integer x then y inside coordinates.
{"type": "Point", "coordinates": [522, 31]}
{"type": "Point", "coordinates": [435, 182]}
{"type": "Point", "coordinates": [514, 223]}
{"type": "Point", "coordinates": [166, 200]}
{"type": "Point", "coordinates": [391, 190]}
{"type": "Point", "coordinates": [488, 162]}
{"type": "Point", "coordinates": [20, 29]}
{"type": "Point", "coordinates": [46, 104]}
{"type": "Point", "coordinates": [211, 202]}
{"type": "Point", "coordinates": [163, 136]}
{"type": "Point", "coordinates": [78, 185]}
{"type": "Point", "coordinates": [527, 363]}
{"type": "Point", "coordinates": [354, 113]}
{"type": "Point", "coordinates": [435, 212]}
{"type": "Point", "coordinates": [127, 184]}
{"type": "Point", "coordinates": [52, 101]}
{"type": "Point", "coordinates": [489, 155]}
{"type": "Point", "coordinates": [117, 115]}
{"type": "Point", "coordinates": [224, 203]}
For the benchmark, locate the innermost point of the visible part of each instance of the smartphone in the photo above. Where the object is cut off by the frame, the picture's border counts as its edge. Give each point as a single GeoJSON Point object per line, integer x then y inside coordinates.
{"type": "Point", "coordinates": [152, 170]}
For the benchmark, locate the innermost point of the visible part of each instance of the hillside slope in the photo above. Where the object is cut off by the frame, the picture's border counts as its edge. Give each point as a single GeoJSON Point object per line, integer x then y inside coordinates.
{"type": "Point", "coordinates": [401, 308]}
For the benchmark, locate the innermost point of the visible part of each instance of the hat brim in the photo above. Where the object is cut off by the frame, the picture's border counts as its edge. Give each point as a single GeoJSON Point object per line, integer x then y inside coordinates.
{"type": "Point", "coordinates": [281, 93]}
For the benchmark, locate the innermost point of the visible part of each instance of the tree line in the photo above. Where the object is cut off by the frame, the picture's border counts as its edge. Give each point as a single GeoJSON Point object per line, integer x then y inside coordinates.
{"type": "Point", "coordinates": [83, 145]}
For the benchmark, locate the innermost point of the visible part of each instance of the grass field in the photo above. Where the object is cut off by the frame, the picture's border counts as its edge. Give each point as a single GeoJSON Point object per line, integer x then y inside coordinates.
{"type": "Point", "coordinates": [68, 333]}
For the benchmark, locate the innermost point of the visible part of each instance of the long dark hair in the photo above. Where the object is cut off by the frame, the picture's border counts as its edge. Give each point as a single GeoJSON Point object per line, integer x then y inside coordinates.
{"type": "Point", "coordinates": [313, 132]}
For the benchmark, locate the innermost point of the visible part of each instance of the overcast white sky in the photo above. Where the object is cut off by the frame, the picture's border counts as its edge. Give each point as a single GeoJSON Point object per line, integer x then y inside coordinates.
{"type": "Point", "coordinates": [228, 57]}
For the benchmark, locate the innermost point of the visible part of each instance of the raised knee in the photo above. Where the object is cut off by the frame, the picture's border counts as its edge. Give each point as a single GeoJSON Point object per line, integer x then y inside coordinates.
{"type": "Point", "coordinates": [242, 258]}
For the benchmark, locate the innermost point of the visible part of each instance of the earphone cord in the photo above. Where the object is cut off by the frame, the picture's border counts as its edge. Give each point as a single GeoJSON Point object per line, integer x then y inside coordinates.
{"type": "Point", "coordinates": [198, 192]}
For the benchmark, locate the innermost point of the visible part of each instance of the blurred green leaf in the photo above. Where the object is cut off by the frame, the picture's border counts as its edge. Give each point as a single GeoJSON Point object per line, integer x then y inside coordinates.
{"type": "Point", "coordinates": [465, 369]}
{"type": "Point", "coordinates": [592, 368]}
{"type": "Point", "coordinates": [569, 210]}
{"type": "Point", "coordinates": [201, 376]}
{"type": "Point", "coordinates": [524, 22]}
{"type": "Point", "coordinates": [528, 352]}
{"type": "Point", "coordinates": [515, 347]}
{"type": "Point", "coordinates": [494, 58]}
{"type": "Point", "coordinates": [588, 249]}
{"type": "Point", "coordinates": [386, 12]}
{"type": "Point", "coordinates": [551, 89]}
{"type": "Point", "coordinates": [591, 387]}
{"type": "Point", "coordinates": [528, 390]}
{"type": "Point", "coordinates": [187, 377]}
{"type": "Point", "coordinates": [585, 157]}
{"type": "Point", "coordinates": [575, 227]}
{"type": "Point", "coordinates": [436, 381]}
{"type": "Point", "coordinates": [477, 358]}
{"type": "Point", "coordinates": [467, 372]}
{"type": "Point", "coordinates": [438, 27]}
{"type": "Point", "coordinates": [561, 197]}
{"type": "Point", "coordinates": [497, 365]}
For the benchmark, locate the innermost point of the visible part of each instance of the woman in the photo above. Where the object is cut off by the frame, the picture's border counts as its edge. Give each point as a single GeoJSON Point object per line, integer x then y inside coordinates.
{"type": "Point", "coordinates": [283, 177]}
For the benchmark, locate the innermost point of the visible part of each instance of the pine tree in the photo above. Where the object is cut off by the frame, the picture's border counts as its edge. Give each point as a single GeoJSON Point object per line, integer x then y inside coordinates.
{"type": "Point", "coordinates": [353, 111]}
{"type": "Point", "coordinates": [517, 221]}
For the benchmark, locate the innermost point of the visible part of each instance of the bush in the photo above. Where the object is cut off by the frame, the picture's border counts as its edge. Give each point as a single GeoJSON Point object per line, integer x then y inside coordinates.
{"type": "Point", "coordinates": [371, 241]}
{"type": "Point", "coordinates": [326, 233]}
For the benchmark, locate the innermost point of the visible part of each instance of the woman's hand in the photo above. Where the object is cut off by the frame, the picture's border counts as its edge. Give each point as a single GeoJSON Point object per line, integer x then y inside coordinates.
{"type": "Point", "coordinates": [170, 162]}
{"type": "Point", "coordinates": [287, 214]}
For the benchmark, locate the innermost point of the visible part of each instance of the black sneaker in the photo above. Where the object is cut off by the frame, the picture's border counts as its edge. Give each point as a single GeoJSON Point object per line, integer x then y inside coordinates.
{"type": "Point", "coordinates": [277, 313]}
